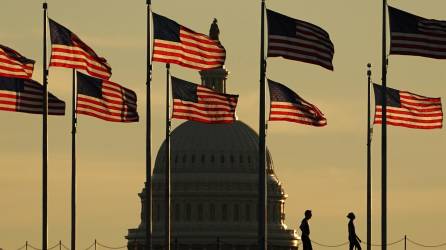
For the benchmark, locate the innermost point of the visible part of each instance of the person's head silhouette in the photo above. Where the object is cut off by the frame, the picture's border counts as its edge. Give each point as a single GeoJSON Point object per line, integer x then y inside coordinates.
{"type": "Point", "coordinates": [351, 216]}
{"type": "Point", "coordinates": [308, 214]}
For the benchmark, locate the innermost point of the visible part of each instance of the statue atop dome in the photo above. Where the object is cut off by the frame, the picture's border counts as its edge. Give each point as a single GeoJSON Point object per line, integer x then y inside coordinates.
{"type": "Point", "coordinates": [215, 78]}
{"type": "Point", "coordinates": [214, 31]}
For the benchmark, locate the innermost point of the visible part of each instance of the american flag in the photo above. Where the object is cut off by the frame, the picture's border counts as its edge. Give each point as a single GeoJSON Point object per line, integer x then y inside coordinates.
{"type": "Point", "coordinates": [298, 40]}
{"type": "Point", "coordinates": [25, 95]}
{"type": "Point", "coordinates": [68, 51]}
{"type": "Point", "coordinates": [12, 64]}
{"type": "Point", "coordinates": [177, 44]}
{"type": "Point", "coordinates": [196, 103]}
{"type": "Point", "coordinates": [288, 106]}
{"type": "Point", "coordinates": [416, 36]}
{"type": "Point", "coordinates": [408, 110]}
{"type": "Point", "coordinates": [105, 100]}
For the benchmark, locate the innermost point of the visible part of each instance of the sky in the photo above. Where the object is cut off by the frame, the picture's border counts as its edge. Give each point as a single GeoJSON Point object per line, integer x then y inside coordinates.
{"type": "Point", "coordinates": [322, 169]}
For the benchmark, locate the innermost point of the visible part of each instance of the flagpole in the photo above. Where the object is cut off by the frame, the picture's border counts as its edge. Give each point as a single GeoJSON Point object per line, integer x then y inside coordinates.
{"type": "Point", "coordinates": [45, 139]}
{"type": "Point", "coordinates": [167, 166]}
{"type": "Point", "coordinates": [369, 162]}
{"type": "Point", "coordinates": [73, 163]}
{"type": "Point", "coordinates": [262, 220]}
{"type": "Point", "coordinates": [148, 183]}
{"type": "Point", "coordinates": [384, 136]}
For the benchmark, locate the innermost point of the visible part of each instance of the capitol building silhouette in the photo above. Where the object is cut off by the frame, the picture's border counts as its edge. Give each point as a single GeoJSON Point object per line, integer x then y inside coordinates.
{"type": "Point", "coordinates": [214, 188]}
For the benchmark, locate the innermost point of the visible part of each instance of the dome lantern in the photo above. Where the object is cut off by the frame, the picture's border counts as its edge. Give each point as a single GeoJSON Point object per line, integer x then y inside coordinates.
{"type": "Point", "coordinates": [215, 78]}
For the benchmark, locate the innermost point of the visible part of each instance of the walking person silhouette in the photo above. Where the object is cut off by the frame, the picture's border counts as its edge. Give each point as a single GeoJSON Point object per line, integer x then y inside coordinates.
{"type": "Point", "coordinates": [305, 228]}
{"type": "Point", "coordinates": [352, 237]}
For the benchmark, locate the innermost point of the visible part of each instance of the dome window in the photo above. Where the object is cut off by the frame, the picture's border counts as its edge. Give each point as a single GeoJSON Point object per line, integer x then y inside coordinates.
{"type": "Point", "coordinates": [212, 158]}
{"type": "Point", "coordinates": [200, 212]}
{"type": "Point", "coordinates": [241, 158]}
{"type": "Point", "coordinates": [184, 158]}
{"type": "Point", "coordinates": [232, 159]}
{"type": "Point", "coordinates": [176, 158]}
{"type": "Point", "coordinates": [193, 159]}
{"type": "Point", "coordinates": [212, 212]}
{"type": "Point", "coordinates": [236, 212]}
{"type": "Point", "coordinates": [224, 212]}
{"type": "Point", "coordinates": [248, 212]}
{"type": "Point", "coordinates": [222, 159]}
{"type": "Point", "coordinates": [188, 212]}
{"type": "Point", "coordinates": [202, 158]}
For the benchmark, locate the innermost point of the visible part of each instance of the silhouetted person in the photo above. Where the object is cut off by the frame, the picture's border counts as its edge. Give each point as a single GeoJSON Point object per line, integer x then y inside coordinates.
{"type": "Point", "coordinates": [352, 237]}
{"type": "Point", "coordinates": [214, 31]}
{"type": "Point", "coordinates": [305, 228]}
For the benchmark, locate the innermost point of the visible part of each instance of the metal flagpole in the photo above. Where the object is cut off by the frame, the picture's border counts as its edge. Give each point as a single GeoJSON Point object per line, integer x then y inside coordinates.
{"type": "Point", "coordinates": [148, 184]}
{"type": "Point", "coordinates": [73, 164]}
{"type": "Point", "coordinates": [45, 139]}
{"type": "Point", "coordinates": [167, 166]}
{"type": "Point", "coordinates": [384, 136]}
{"type": "Point", "coordinates": [262, 220]}
{"type": "Point", "coordinates": [369, 162]}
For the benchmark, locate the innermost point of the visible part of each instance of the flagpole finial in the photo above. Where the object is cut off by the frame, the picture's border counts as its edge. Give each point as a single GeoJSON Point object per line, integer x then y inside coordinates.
{"type": "Point", "coordinates": [148, 2]}
{"type": "Point", "coordinates": [45, 5]}
{"type": "Point", "coordinates": [369, 71]}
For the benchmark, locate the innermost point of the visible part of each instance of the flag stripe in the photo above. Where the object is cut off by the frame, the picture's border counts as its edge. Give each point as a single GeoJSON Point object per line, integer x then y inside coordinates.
{"type": "Point", "coordinates": [204, 108]}
{"type": "Point", "coordinates": [296, 54]}
{"type": "Point", "coordinates": [300, 120]}
{"type": "Point", "coordinates": [408, 116]}
{"type": "Point", "coordinates": [181, 62]}
{"type": "Point", "coordinates": [399, 123]}
{"type": "Point", "coordinates": [204, 119]}
{"type": "Point", "coordinates": [292, 114]}
{"type": "Point", "coordinates": [414, 112]}
{"type": "Point", "coordinates": [189, 52]}
{"type": "Point", "coordinates": [299, 45]}
{"type": "Point", "coordinates": [102, 116]}
{"type": "Point", "coordinates": [78, 54]}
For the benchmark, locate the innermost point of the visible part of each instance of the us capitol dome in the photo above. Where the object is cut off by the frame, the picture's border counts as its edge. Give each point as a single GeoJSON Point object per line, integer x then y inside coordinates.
{"type": "Point", "coordinates": [214, 188]}
{"type": "Point", "coordinates": [214, 176]}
